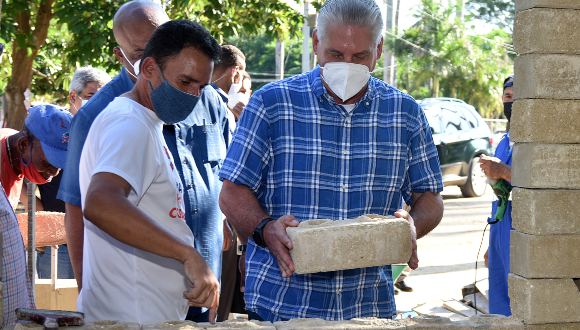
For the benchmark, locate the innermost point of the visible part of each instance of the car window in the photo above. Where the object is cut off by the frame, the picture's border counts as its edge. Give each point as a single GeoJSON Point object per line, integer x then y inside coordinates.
{"type": "Point", "coordinates": [432, 114]}
{"type": "Point", "coordinates": [451, 120]}
{"type": "Point", "coordinates": [469, 116]}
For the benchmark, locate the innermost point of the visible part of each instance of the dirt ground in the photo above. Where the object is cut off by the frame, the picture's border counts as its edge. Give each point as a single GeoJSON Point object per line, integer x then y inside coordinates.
{"type": "Point", "coordinates": [447, 255]}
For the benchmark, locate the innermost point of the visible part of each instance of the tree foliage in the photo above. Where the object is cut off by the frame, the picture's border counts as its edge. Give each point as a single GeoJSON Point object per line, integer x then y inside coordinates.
{"type": "Point", "coordinates": [439, 56]}
{"type": "Point", "coordinates": [47, 39]}
{"type": "Point", "coordinates": [496, 12]}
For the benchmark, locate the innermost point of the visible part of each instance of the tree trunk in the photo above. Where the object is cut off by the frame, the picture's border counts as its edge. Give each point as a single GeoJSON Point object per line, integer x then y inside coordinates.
{"type": "Point", "coordinates": [23, 59]}
{"type": "Point", "coordinates": [436, 85]}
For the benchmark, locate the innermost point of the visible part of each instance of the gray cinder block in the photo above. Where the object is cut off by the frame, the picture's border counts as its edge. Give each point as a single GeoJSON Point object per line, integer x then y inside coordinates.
{"type": "Point", "coordinates": [545, 121]}
{"type": "Point", "coordinates": [543, 301]}
{"type": "Point", "coordinates": [533, 35]}
{"type": "Point", "coordinates": [527, 4]}
{"type": "Point", "coordinates": [372, 240]}
{"type": "Point", "coordinates": [547, 76]}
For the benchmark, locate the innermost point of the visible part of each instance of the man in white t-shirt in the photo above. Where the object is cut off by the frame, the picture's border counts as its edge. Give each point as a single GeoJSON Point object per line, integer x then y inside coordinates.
{"type": "Point", "coordinates": [139, 262]}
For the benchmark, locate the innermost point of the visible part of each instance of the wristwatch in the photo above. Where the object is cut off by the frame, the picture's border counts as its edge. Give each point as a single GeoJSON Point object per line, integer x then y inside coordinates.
{"type": "Point", "coordinates": [258, 234]}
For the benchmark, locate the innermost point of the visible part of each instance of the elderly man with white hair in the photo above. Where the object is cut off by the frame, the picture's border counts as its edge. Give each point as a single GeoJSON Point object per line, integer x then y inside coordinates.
{"type": "Point", "coordinates": [84, 84]}
{"type": "Point", "coordinates": [332, 143]}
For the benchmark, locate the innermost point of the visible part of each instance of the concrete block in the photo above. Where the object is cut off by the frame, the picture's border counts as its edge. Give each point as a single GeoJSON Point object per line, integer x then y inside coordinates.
{"type": "Point", "coordinates": [536, 121]}
{"type": "Point", "coordinates": [109, 325]}
{"type": "Point", "coordinates": [543, 301]}
{"type": "Point", "coordinates": [487, 321]}
{"type": "Point", "coordinates": [547, 76]}
{"type": "Point", "coordinates": [554, 326]}
{"type": "Point", "coordinates": [527, 4]}
{"type": "Point", "coordinates": [533, 35]}
{"type": "Point", "coordinates": [546, 211]}
{"type": "Point", "coordinates": [548, 256]}
{"type": "Point", "coordinates": [372, 240]}
{"type": "Point", "coordinates": [238, 324]}
{"type": "Point", "coordinates": [536, 165]}
{"type": "Point", "coordinates": [370, 323]}
{"type": "Point", "coordinates": [172, 325]}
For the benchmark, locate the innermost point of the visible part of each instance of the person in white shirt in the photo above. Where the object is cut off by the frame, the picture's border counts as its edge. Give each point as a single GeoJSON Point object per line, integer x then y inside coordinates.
{"type": "Point", "coordinates": [139, 261]}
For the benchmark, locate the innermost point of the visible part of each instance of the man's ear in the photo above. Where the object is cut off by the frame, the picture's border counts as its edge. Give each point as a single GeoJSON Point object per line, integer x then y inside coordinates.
{"type": "Point", "coordinates": [380, 48]}
{"type": "Point", "coordinates": [72, 96]}
{"type": "Point", "coordinates": [23, 143]}
{"type": "Point", "coordinates": [119, 55]}
{"type": "Point", "coordinates": [315, 41]}
{"type": "Point", "coordinates": [149, 68]}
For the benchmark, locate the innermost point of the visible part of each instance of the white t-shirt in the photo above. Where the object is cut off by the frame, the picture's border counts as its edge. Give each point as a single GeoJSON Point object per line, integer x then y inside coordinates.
{"type": "Point", "coordinates": [349, 107]}
{"type": "Point", "coordinates": [121, 282]}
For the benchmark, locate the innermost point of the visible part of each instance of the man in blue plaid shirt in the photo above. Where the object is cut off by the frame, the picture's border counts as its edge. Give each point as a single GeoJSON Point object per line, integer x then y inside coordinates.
{"type": "Point", "coordinates": [332, 143]}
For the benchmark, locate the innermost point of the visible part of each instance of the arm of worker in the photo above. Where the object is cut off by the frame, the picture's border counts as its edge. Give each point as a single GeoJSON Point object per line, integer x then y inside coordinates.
{"type": "Point", "coordinates": [244, 212]}
{"type": "Point", "coordinates": [108, 208]}
{"type": "Point", "coordinates": [494, 168]}
{"type": "Point", "coordinates": [74, 226]}
{"type": "Point", "coordinates": [426, 213]}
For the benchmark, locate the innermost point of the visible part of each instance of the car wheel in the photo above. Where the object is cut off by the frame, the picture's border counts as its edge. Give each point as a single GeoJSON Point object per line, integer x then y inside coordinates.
{"type": "Point", "coordinates": [476, 181]}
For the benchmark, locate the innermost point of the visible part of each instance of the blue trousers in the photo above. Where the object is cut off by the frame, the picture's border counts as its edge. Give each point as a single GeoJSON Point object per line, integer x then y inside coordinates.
{"type": "Point", "coordinates": [499, 263]}
{"type": "Point", "coordinates": [65, 270]}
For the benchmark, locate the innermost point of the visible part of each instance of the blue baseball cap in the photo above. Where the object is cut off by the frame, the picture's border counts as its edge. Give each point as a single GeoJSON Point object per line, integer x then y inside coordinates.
{"type": "Point", "coordinates": [51, 126]}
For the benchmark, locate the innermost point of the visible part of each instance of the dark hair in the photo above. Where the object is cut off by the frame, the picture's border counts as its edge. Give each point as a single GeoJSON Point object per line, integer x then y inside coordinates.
{"type": "Point", "coordinates": [172, 37]}
{"type": "Point", "coordinates": [231, 56]}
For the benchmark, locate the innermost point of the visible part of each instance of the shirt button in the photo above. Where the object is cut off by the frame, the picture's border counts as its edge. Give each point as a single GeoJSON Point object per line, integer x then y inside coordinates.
{"type": "Point", "coordinates": [367, 103]}
{"type": "Point", "coordinates": [345, 152]}
{"type": "Point", "coordinates": [195, 211]}
{"type": "Point", "coordinates": [348, 119]}
{"type": "Point", "coordinates": [343, 186]}
{"type": "Point", "coordinates": [338, 291]}
{"type": "Point", "coordinates": [191, 185]}
{"type": "Point", "coordinates": [185, 161]}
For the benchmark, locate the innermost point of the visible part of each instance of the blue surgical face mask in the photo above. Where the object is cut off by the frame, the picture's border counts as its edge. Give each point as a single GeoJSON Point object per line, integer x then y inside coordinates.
{"type": "Point", "coordinates": [171, 104]}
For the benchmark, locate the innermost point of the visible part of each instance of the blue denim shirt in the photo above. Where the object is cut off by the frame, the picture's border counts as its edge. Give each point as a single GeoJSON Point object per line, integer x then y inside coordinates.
{"type": "Point", "coordinates": [200, 150]}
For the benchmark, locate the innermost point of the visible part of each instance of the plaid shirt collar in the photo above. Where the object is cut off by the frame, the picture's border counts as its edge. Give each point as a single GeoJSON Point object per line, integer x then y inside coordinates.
{"type": "Point", "coordinates": [320, 91]}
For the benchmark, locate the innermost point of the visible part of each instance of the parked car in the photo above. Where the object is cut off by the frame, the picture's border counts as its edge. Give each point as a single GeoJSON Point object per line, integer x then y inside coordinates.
{"type": "Point", "coordinates": [461, 137]}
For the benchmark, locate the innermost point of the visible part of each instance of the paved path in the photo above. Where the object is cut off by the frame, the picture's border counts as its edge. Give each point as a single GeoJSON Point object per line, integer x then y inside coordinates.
{"type": "Point", "coordinates": [447, 255]}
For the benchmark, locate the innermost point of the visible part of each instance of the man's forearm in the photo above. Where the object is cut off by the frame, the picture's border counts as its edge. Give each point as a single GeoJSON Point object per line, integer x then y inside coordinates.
{"type": "Point", "coordinates": [242, 209]}
{"type": "Point", "coordinates": [73, 222]}
{"type": "Point", "coordinates": [427, 211]}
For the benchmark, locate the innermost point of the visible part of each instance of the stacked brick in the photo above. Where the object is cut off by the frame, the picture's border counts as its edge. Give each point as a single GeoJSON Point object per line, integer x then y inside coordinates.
{"type": "Point", "coordinates": [546, 165]}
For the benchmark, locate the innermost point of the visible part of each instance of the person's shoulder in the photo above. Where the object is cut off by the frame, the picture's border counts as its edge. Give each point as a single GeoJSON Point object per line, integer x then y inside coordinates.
{"type": "Point", "coordinates": [297, 83]}
{"type": "Point", "coordinates": [388, 92]}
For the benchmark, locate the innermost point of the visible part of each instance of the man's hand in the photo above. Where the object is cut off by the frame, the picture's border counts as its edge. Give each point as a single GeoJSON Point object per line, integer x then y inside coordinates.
{"type": "Point", "coordinates": [279, 243]}
{"type": "Point", "coordinates": [486, 257]}
{"type": "Point", "coordinates": [414, 261]}
{"type": "Point", "coordinates": [495, 169]}
{"type": "Point", "coordinates": [228, 236]}
{"type": "Point", "coordinates": [204, 287]}
{"type": "Point", "coordinates": [242, 267]}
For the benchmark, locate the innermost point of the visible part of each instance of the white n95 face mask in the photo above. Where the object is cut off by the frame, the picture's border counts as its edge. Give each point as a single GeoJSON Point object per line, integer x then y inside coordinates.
{"type": "Point", "coordinates": [345, 79]}
{"type": "Point", "coordinates": [135, 66]}
{"type": "Point", "coordinates": [234, 89]}
{"type": "Point", "coordinates": [238, 97]}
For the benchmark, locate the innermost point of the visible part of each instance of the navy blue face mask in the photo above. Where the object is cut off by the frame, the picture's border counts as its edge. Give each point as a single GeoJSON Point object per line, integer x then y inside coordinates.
{"type": "Point", "coordinates": [171, 104]}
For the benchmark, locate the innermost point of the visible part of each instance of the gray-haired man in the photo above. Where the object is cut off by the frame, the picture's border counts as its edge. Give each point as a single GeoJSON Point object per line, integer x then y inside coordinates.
{"type": "Point", "coordinates": [84, 84]}
{"type": "Point", "coordinates": [333, 143]}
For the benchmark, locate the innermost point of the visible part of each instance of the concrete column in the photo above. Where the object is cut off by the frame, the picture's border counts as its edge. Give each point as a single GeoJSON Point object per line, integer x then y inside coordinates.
{"type": "Point", "coordinates": [279, 59]}
{"type": "Point", "coordinates": [546, 165]}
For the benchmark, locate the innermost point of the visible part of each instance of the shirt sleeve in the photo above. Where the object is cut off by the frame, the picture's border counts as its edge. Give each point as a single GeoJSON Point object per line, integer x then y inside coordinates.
{"type": "Point", "coordinates": [69, 190]}
{"type": "Point", "coordinates": [424, 172]}
{"type": "Point", "coordinates": [125, 147]}
{"type": "Point", "coordinates": [248, 158]}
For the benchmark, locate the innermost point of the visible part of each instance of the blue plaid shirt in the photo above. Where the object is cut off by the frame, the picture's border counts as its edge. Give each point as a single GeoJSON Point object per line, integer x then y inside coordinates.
{"type": "Point", "coordinates": [304, 155]}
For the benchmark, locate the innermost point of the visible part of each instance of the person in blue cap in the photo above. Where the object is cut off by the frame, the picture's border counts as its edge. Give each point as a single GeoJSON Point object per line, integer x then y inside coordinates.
{"type": "Point", "coordinates": [37, 152]}
{"type": "Point", "coordinates": [498, 254]}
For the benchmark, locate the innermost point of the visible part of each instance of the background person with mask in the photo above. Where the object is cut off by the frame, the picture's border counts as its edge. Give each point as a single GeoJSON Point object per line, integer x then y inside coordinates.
{"type": "Point", "coordinates": [85, 83]}
{"type": "Point", "coordinates": [315, 146]}
{"type": "Point", "coordinates": [228, 74]}
{"type": "Point", "coordinates": [36, 153]}
{"type": "Point", "coordinates": [143, 266]}
{"type": "Point", "coordinates": [497, 257]}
